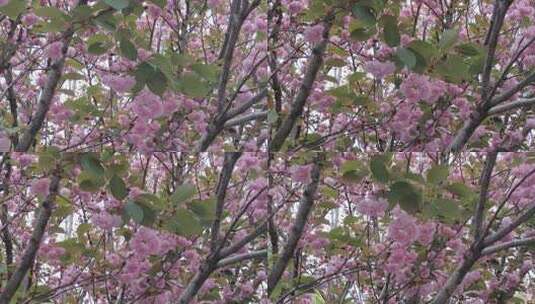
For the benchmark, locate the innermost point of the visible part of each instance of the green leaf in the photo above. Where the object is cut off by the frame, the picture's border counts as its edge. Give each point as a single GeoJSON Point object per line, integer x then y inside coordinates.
{"type": "Point", "coordinates": [424, 49]}
{"type": "Point", "coordinates": [424, 53]}
{"type": "Point", "coordinates": [183, 193]}
{"type": "Point", "coordinates": [50, 12]}
{"type": "Point", "coordinates": [437, 174]}
{"type": "Point", "coordinates": [134, 211]}
{"type": "Point", "coordinates": [82, 230]}
{"type": "Point", "coordinates": [193, 86]}
{"type": "Point", "coordinates": [406, 57]}
{"type": "Point", "coordinates": [88, 182]}
{"type": "Point", "coordinates": [184, 223]}
{"type": "Point", "coordinates": [364, 14]}
{"type": "Point", "coordinates": [14, 8]}
{"type": "Point", "coordinates": [406, 195]}
{"type": "Point", "coordinates": [453, 69]}
{"type": "Point", "coordinates": [209, 72]}
{"type": "Point", "coordinates": [469, 49]}
{"type": "Point", "coordinates": [151, 75]}
{"type": "Point", "coordinates": [91, 163]}
{"type": "Point", "coordinates": [362, 34]}
{"type": "Point", "coordinates": [118, 187]}
{"type": "Point", "coordinates": [98, 44]}
{"type": "Point", "coordinates": [127, 48]}
{"type": "Point", "coordinates": [378, 168]}
{"type": "Point", "coordinates": [449, 38]}
{"type": "Point", "coordinates": [160, 3]}
{"type": "Point", "coordinates": [460, 190]}
{"type": "Point", "coordinates": [107, 20]}
{"type": "Point", "coordinates": [445, 210]}
{"type": "Point", "coordinates": [353, 171]}
{"type": "Point", "coordinates": [204, 209]}
{"type": "Point", "coordinates": [391, 31]}
{"type": "Point", "coordinates": [117, 4]}
{"type": "Point", "coordinates": [149, 214]}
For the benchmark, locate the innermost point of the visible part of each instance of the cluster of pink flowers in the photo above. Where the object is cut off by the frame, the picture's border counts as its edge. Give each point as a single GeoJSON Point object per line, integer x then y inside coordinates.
{"type": "Point", "coordinates": [106, 221]}
{"type": "Point", "coordinates": [314, 34]}
{"type": "Point", "coordinates": [404, 228]}
{"type": "Point", "coordinates": [120, 84]}
{"type": "Point", "coordinates": [41, 187]}
{"type": "Point", "coordinates": [301, 173]}
{"type": "Point", "coordinates": [372, 206]}
{"type": "Point", "coordinates": [55, 50]}
{"type": "Point", "coordinates": [379, 69]}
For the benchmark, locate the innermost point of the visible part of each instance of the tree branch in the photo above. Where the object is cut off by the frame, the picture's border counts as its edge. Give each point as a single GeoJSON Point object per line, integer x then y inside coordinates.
{"type": "Point", "coordinates": [511, 106]}
{"type": "Point", "coordinates": [47, 94]}
{"type": "Point", "coordinates": [305, 207]}
{"type": "Point", "coordinates": [464, 134]}
{"type": "Point", "coordinates": [500, 9]}
{"type": "Point", "coordinates": [514, 243]}
{"type": "Point", "coordinates": [455, 279]}
{"type": "Point", "coordinates": [45, 211]}
{"type": "Point", "coordinates": [246, 106]}
{"type": "Point", "coordinates": [484, 182]}
{"type": "Point", "coordinates": [296, 109]}
{"type": "Point", "coordinates": [245, 118]}
{"type": "Point", "coordinates": [221, 191]}
{"type": "Point", "coordinates": [498, 235]}
{"type": "Point", "coordinates": [242, 257]}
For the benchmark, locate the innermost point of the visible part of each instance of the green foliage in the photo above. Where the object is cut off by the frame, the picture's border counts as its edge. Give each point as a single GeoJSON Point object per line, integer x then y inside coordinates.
{"type": "Point", "coordinates": [140, 212]}
{"type": "Point", "coordinates": [117, 187]}
{"type": "Point", "coordinates": [14, 8]}
{"type": "Point", "coordinates": [127, 48]}
{"type": "Point", "coordinates": [193, 85]}
{"type": "Point", "coordinates": [449, 38]}
{"type": "Point", "coordinates": [353, 171]}
{"type": "Point", "coordinates": [425, 54]}
{"type": "Point", "coordinates": [445, 210]}
{"type": "Point", "coordinates": [379, 169]}
{"type": "Point", "coordinates": [150, 75]}
{"type": "Point", "coordinates": [453, 68]}
{"type": "Point", "coordinates": [391, 31]}
{"type": "Point", "coordinates": [184, 223]}
{"type": "Point", "coordinates": [364, 13]}
{"type": "Point", "coordinates": [98, 44]}
{"type": "Point", "coordinates": [117, 4]}
{"type": "Point", "coordinates": [89, 182]}
{"type": "Point", "coordinates": [460, 190]}
{"type": "Point", "coordinates": [406, 195]}
{"type": "Point", "coordinates": [405, 57]}
{"type": "Point", "coordinates": [183, 193]}
{"type": "Point", "coordinates": [437, 174]}
{"type": "Point", "coordinates": [91, 163]}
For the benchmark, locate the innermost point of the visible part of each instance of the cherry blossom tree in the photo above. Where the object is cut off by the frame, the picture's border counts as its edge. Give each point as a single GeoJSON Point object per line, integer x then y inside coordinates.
{"type": "Point", "coordinates": [281, 151]}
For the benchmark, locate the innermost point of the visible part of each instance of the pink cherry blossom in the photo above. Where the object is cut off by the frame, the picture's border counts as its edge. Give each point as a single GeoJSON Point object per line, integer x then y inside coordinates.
{"type": "Point", "coordinates": [301, 174]}
{"type": "Point", "coordinates": [314, 34]}
{"type": "Point", "coordinates": [404, 229]}
{"type": "Point", "coordinates": [118, 83]}
{"type": "Point", "coordinates": [41, 186]}
{"type": "Point", "coordinates": [380, 69]}
{"type": "Point", "coordinates": [372, 206]}
{"type": "Point", "coordinates": [55, 50]}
